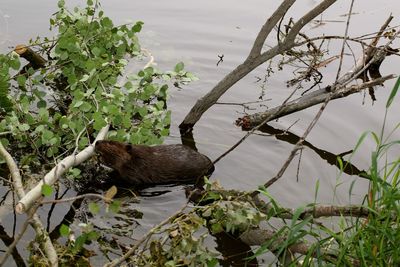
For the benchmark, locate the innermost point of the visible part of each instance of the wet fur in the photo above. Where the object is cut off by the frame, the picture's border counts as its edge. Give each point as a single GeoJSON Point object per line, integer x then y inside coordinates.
{"type": "Point", "coordinates": [142, 165]}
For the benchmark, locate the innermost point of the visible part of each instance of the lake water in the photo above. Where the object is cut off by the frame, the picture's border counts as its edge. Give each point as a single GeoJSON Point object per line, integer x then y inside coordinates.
{"type": "Point", "coordinates": [196, 32]}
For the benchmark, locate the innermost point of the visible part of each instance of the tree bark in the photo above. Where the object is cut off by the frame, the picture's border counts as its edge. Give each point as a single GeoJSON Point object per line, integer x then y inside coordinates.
{"type": "Point", "coordinates": [250, 121]}
{"type": "Point", "coordinates": [255, 58]}
{"type": "Point", "coordinates": [35, 60]}
{"type": "Point", "coordinates": [51, 177]}
{"type": "Point", "coordinates": [37, 225]}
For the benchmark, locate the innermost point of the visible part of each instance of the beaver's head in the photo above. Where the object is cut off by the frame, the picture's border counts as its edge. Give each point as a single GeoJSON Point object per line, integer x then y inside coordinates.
{"type": "Point", "coordinates": [113, 154]}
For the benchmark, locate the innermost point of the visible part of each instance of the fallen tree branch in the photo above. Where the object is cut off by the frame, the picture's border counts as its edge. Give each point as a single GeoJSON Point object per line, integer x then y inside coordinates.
{"type": "Point", "coordinates": [48, 247]}
{"type": "Point", "coordinates": [258, 237]}
{"type": "Point", "coordinates": [370, 56]}
{"type": "Point", "coordinates": [133, 249]}
{"type": "Point", "coordinates": [269, 26]}
{"type": "Point", "coordinates": [315, 212]}
{"type": "Point", "coordinates": [71, 199]}
{"type": "Point", "coordinates": [255, 59]}
{"type": "Point", "coordinates": [250, 121]}
{"type": "Point", "coordinates": [51, 177]}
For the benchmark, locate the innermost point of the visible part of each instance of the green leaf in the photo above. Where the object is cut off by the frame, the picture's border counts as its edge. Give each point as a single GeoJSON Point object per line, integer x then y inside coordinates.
{"type": "Point", "coordinates": [21, 80]}
{"type": "Point", "coordinates": [93, 235]}
{"type": "Point", "coordinates": [78, 104]}
{"type": "Point", "coordinates": [179, 67]}
{"type": "Point", "coordinates": [80, 241]}
{"type": "Point", "coordinates": [137, 27]}
{"type": "Point", "coordinates": [84, 78]}
{"type": "Point", "coordinates": [41, 104]}
{"type": "Point", "coordinates": [51, 151]}
{"type": "Point", "coordinates": [74, 172]}
{"type": "Point", "coordinates": [64, 55]}
{"type": "Point", "coordinates": [99, 122]}
{"type": "Point", "coordinates": [216, 228]}
{"type": "Point", "coordinates": [83, 142]}
{"type": "Point", "coordinates": [23, 127]}
{"type": "Point", "coordinates": [61, 3]}
{"type": "Point", "coordinates": [96, 51]}
{"type": "Point", "coordinates": [212, 262]}
{"type": "Point", "coordinates": [86, 107]}
{"type": "Point", "coordinates": [63, 122]}
{"type": "Point", "coordinates": [106, 22]}
{"type": "Point", "coordinates": [47, 190]}
{"type": "Point", "coordinates": [47, 135]}
{"type": "Point", "coordinates": [15, 64]}
{"type": "Point", "coordinates": [94, 208]}
{"type": "Point", "coordinates": [53, 141]}
{"type": "Point", "coordinates": [115, 206]}
{"type": "Point", "coordinates": [64, 230]}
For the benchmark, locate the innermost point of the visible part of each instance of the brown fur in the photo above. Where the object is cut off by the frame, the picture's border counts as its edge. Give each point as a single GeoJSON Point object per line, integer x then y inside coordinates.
{"type": "Point", "coordinates": [139, 164]}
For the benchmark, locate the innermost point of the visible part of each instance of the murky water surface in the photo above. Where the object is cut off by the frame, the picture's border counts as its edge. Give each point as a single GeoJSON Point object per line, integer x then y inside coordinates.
{"type": "Point", "coordinates": [196, 32]}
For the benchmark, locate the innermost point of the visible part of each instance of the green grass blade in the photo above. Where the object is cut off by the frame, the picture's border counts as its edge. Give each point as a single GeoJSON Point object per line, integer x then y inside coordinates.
{"type": "Point", "coordinates": [393, 93]}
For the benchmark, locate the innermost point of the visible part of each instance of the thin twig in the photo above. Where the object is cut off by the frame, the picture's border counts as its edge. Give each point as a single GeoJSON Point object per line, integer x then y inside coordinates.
{"type": "Point", "coordinates": [132, 250]}
{"type": "Point", "coordinates": [253, 130]}
{"type": "Point", "coordinates": [71, 199]}
{"type": "Point", "coordinates": [346, 34]}
{"type": "Point", "coordinates": [309, 128]}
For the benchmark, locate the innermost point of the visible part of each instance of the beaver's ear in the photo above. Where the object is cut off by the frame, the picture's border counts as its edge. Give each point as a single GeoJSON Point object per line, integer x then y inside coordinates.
{"type": "Point", "coordinates": [97, 145]}
{"type": "Point", "coordinates": [129, 149]}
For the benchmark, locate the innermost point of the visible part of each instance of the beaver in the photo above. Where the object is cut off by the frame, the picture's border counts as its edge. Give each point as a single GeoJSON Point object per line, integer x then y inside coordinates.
{"type": "Point", "coordinates": [150, 165]}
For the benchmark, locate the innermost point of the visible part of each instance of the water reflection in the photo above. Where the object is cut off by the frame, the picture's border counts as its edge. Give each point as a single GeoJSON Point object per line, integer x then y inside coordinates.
{"type": "Point", "coordinates": [7, 240]}
{"type": "Point", "coordinates": [329, 157]}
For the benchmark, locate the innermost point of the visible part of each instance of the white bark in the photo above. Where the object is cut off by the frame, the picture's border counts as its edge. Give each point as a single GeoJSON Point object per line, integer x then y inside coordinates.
{"type": "Point", "coordinates": [37, 225]}
{"type": "Point", "coordinates": [51, 177]}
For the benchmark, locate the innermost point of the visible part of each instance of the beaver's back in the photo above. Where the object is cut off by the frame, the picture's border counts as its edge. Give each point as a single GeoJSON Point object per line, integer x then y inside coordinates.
{"type": "Point", "coordinates": [155, 164]}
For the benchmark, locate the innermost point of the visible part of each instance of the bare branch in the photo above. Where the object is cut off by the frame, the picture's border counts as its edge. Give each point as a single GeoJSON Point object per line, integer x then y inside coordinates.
{"type": "Point", "coordinates": [71, 199]}
{"type": "Point", "coordinates": [294, 31]}
{"type": "Point", "coordinates": [252, 61]}
{"type": "Point", "coordinates": [314, 121]}
{"type": "Point", "coordinates": [312, 99]}
{"type": "Point", "coordinates": [268, 26]}
{"type": "Point", "coordinates": [258, 237]}
{"type": "Point", "coordinates": [132, 250]}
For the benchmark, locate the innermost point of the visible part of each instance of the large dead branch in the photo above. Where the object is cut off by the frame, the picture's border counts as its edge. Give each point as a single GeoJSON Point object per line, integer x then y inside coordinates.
{"type": "Point", "coordinates": [258, 237]}
{"type": "Point", "coordinates": [370, 61]}
{"type": "Point", "coordinates": [255, 58]}
{"type": "Point", "coordinates": [249, 121]}
{"type": "Point", "coordinates": [51, 177]}
{"type": "Point", "coordinates": [48, 247]}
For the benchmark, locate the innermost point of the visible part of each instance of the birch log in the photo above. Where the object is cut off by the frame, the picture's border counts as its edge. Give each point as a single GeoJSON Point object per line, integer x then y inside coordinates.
{"type": "Point", "coordinates": [51, 177]}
